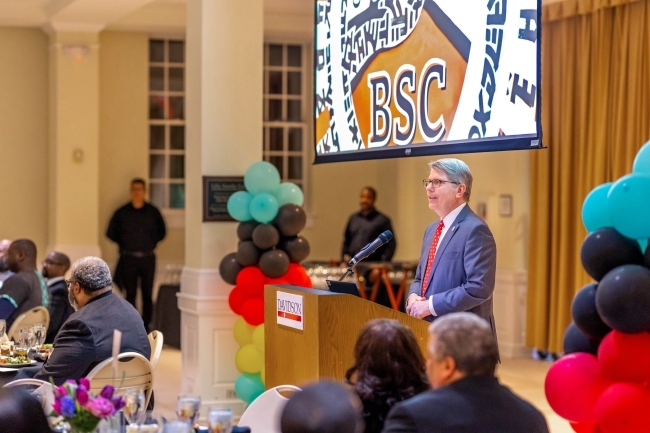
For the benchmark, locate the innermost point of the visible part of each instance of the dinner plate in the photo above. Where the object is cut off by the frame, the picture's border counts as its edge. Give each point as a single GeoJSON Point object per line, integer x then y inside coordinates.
{"type": "Point", "coordinates": [27, 364]}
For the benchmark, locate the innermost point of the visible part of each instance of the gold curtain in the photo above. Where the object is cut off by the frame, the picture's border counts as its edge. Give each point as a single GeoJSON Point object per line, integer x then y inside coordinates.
{"type": "Point", "coordinates": [596, 116]}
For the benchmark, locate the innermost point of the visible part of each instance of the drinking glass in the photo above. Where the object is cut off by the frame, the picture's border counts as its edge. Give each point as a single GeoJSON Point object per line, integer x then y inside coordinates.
{"type": "Point", "coordinates": [26, 336]}
{"type": "Point", "coordinates": [220, 419]}
{"type": "Point", "coordinates": [3, 328]}
{"type": "Point", "coordinates": [40, 332]}
{"type": "Point", "coordinates": [188, 407]}
{"type": "Point", "coordinates": [176, 427]}
{"type": "Point", "coordinates": [134, 410]}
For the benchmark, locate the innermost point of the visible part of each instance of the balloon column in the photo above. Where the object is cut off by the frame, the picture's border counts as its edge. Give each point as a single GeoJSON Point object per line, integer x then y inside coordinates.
{"type": "Point", "coordinates": [602, 384]}
{"type": "Point", "coordinates": [269, 252]}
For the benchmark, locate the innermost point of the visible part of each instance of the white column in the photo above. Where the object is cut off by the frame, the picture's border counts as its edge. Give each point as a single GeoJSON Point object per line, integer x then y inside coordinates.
{"type": "Point", "coordinates": [223, 136]}
{"type": "Point", "coordinates": [74, 143]}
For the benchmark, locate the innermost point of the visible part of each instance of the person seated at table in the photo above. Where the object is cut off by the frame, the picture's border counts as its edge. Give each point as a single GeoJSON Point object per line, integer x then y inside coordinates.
{"type": "Point", "coordinates": [4, 270]}
{"type": "Point", "coordinates": [388, 368]}
{"type": "Point", "coordinates": [462, 356]}
{"type": "Point", "coordinates": [324, 407]}
{"type": "Point", "coordinates": [21, 413]}
{"type": "Point", "coordinates": [86, 338]}
{"type": "Point", "coordinates": [26, 288]}
{"type": "Point", "coordinates": [55, 266]}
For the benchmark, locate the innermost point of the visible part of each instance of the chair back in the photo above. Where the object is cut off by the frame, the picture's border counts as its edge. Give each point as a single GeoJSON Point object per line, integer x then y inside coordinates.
{"type": "Point", "coordinates": [30, 318]}
{"type": "Point", "coordinates": [44, 391]}
{"type": "Point", "coordinates": [156, 340]}
{"type": "Point", "coordinates": [263, 414]}
{"type": "Point", "coordinates": [133, 372]}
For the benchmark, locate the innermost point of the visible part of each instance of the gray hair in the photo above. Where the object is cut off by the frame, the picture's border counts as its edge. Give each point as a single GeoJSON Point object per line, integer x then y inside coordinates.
{"type": "Point", "coordinates": [457, 171]}
{"type": "Point", "coordinates": [468, 340]}
{"type": "Point", "coordinates": [92, 273]}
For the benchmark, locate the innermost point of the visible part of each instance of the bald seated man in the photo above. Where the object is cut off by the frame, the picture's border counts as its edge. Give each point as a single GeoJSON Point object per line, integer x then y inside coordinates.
{"type": "Point", "coordinates": [462, 356]}
{"type": "Point", "coordinates": [26, 289]}
{"type": "Point", "coordinates": [4, 270]}
{"type": "Point", "coordinates": [55, 267]}
{"type": "Point", "coordinates": [324, 407]}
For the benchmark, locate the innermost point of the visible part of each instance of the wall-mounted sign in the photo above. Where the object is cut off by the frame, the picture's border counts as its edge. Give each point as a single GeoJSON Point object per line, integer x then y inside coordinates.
{"type": "Point", "coordinates": [290, 310]}
{"type": "Point", "coordinates": [216, 192]}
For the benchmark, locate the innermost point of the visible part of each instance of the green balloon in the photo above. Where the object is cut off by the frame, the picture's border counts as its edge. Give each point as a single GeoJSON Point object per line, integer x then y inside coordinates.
{"type": "Point", "coordinates": [248, 387]}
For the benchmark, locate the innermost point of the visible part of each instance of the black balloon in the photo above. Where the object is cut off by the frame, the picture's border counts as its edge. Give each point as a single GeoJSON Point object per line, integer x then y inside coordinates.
{"type": "Point", "coordinates": [229, 268]}
{"type": "Point", "coordinates": [585, 315]}
{"type": "Point", "coordinates": [274, 263]}
{"type": "Point", "coordinates": [576, 341]}
{"type": "Point", "coordinates": [245, 230]}
{"type": "Point", "coordinates": [265, 236]}
{"type": "Point", "coordinates": [606, 249]}
{"type": "Point", "coordinates": [248, 254]}
{"type": "Point", "coordinates": [623, 299]}
{"type": "Point", "coordinates": [296, 247]}
{"type": "Point", "coordinates": [290, 220]}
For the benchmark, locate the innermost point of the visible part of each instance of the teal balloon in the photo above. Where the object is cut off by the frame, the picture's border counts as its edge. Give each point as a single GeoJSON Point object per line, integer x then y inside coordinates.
{"type": "Point", "coordinates": [642, 161]}
{"type": "Point", "coordinates": [289, 193]}
{"type": "Point", "coordinates": [628, 201]}
{"type": "Point", "coordinates": [239, 206]}
{"type": "Point", "coordinates": [262, 177]}
{"type": "Point", "coordinates": [595, 213]}
{"type": "Point", "coordinates": [249, 386]}
{"type": "Point", "coordinates": [263, 208]}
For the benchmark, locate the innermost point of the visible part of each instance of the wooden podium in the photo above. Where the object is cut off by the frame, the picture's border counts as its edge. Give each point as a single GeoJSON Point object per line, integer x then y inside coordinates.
{"type": "Point", "coordinates": [324, 348]}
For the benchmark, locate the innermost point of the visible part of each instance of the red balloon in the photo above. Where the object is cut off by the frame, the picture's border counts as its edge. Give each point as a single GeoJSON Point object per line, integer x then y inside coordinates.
{"type": "Point", "coordinates": [573, 385]}
{"type": "Point", "coordinates": [297, 275]}
{"type": "Point", "coordinates": [253, 311]}
{"type": "Point", "coordinates": [625, 357]}
{"type": "Point", "coordinates": [623, 408]}
{"type": "Point", "coordinates": [281, 280]}
{"type": "Point", "coordinates": [583, 427]}
{"type": "Point", "coordinates": [251, 280]}
{"type": "Point", "coordinates": [236, 300]}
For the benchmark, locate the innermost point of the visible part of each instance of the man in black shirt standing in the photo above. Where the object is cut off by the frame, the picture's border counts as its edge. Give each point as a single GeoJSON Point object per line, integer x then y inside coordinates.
{"type": "Point", "coordinates": [137, 227]}
{"type": "Point", "coordinates": [364, 227]}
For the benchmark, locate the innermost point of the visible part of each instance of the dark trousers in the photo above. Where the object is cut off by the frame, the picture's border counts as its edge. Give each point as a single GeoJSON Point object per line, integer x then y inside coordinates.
{"type": "Point", "coordinates": [143, 268]}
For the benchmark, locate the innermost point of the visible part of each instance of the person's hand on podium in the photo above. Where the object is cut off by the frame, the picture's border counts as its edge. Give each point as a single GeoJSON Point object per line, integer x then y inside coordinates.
{"type": "Point", "coordinates": [417, 306]}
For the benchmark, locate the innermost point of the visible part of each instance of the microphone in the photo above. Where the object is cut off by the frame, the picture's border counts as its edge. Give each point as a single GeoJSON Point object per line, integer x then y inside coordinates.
{"type": "Point", "coordinates": [383, 238]}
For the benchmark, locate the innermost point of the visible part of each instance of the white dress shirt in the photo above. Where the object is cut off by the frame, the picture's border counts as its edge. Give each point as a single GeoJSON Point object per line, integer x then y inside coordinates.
{"type": "Point", "coordinates": [448, 221]}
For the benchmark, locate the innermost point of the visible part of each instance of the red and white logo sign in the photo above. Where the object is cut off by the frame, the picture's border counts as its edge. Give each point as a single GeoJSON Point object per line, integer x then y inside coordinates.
{"type": "Point", "coordinates": [290, 310]}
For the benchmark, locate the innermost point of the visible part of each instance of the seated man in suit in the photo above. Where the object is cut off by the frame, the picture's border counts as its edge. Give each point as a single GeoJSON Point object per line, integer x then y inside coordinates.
{"type": "Point", "coordinates": [324, 407]}
{"type": "Point", "coordinates": [466, 396]}
{"type": "Point", "coordinates": [86, 338]}
{"type": "Point", "coordinates": [55, 266]}
{"type": "Point", "coordinates": [458, 259]}
{"type": "Point", "coordinates": [26, 288]}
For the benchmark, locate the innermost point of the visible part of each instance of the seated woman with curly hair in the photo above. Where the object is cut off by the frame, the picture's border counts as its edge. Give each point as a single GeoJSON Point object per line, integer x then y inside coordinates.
{"type": "Point", "coordinates": [388, 368]}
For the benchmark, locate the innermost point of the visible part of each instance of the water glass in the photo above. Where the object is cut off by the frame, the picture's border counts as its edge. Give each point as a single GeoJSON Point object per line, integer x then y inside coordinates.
{"type": "Point", "coordinates": [188, 407]}
{"type": "Point", "coordinates": [40, 332]}
{"type": "Point", "coordinates": [134, 410]}
{"type": "Point", "coordinates": [3, 328]}
{"type": "Point", "coordinates": [220, 419]}
{"type": "Point", "coordinates": [26, 337]}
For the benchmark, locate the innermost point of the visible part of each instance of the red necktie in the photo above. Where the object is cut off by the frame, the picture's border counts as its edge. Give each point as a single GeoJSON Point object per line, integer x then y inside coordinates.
{"type": "Point", "coordinates": [432, 255]}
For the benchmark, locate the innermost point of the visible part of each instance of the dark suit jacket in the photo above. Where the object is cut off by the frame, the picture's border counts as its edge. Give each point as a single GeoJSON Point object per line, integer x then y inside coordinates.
{"type": "Point", "coordinates": [462, 278]}
{"type": "Point", "coordinates": [469, 405]}
{"type": "Point", "coordinates": [59, 308]}
{"type": "Point", "coordinates": [86, 338]}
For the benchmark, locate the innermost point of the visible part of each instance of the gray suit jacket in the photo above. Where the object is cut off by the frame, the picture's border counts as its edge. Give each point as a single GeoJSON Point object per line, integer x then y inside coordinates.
{"type": "Point", "coordinates": [462, 278]}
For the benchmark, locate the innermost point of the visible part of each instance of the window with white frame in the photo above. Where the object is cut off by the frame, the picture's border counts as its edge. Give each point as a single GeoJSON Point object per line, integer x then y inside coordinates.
{"type": "Point", "coordinates": [285, 110]}
{"type": "Point", "coordinates": [167, 123]}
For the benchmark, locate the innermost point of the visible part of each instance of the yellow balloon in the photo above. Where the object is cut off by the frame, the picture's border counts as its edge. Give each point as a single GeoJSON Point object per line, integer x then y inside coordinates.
{"type": "Point", "coordinates": [263, 374]}
{"type": "Point", "coordinates": [258, 338]}
{"type": "Point", "coordinates": [248, 359]}
{"type": "Point", "coordinates": [243, 332]}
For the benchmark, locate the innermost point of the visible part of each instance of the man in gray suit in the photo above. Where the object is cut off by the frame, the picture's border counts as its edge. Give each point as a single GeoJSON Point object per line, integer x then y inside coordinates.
{"type": "Point", "coordinates": [458, 259]}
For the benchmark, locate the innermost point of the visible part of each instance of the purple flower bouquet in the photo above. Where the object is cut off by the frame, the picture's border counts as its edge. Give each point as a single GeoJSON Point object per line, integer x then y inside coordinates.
{"type": "Point", "coordinates": [82, 410]}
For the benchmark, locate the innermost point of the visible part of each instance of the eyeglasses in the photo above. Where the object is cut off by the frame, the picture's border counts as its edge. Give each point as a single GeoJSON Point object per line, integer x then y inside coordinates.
{"type": "Point", "coordinates": [50, 262]}
{"type": "Point", "coordinates": [437, 183]}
